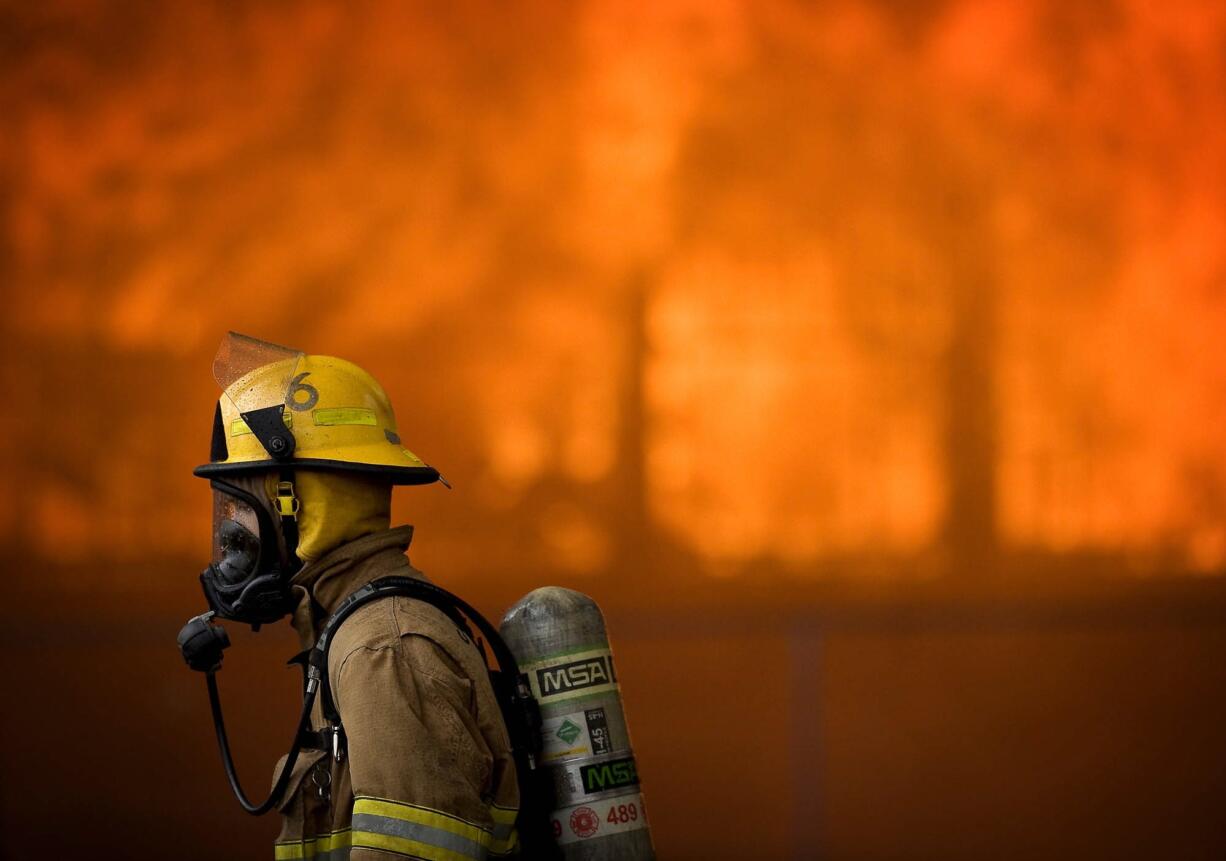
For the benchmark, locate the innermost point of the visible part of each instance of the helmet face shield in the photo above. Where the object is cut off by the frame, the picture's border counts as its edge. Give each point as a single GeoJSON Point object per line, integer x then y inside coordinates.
{"type": "Point", "coordinates": [244, 368]}
{"type": "Point", "coordinates": [240, 355]}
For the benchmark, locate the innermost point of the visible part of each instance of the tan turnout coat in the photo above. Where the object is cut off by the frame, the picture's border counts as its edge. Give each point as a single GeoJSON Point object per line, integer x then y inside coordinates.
{"type": "Point", "coordinates": [428, 772]}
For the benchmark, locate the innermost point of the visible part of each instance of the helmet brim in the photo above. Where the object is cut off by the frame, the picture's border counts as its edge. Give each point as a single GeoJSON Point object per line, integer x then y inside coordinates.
{"type": "Point", "coordinates": [392, 474]}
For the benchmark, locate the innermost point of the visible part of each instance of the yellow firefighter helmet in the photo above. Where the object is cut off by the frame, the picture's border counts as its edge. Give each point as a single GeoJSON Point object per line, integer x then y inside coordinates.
{"type": "Point", "coordinates": [283, 409]}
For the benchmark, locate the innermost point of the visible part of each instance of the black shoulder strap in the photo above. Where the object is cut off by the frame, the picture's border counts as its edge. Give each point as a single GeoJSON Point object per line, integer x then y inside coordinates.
{"type": "Point", "coordinates": [410, 587]}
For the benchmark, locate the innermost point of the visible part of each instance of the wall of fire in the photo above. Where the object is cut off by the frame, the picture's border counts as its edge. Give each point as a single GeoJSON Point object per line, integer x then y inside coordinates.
{"type": "Point", "coordinates": [864, 356]}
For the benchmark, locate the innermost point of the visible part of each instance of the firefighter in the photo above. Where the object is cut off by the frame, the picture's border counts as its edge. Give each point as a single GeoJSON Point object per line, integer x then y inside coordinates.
{"type": "Point", "coordinates": [415, 760]}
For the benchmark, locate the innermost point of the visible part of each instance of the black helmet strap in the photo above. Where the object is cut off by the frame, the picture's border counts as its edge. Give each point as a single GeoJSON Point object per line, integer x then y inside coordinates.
{"type": "Point", "coordinates": [268, 425]}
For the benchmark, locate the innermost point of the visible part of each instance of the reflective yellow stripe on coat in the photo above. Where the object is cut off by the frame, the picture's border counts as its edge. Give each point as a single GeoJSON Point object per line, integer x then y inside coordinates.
{"type": "Point", "coordinates": [325, 847]}
{"type": "Point", "coordinates": [424, 833]}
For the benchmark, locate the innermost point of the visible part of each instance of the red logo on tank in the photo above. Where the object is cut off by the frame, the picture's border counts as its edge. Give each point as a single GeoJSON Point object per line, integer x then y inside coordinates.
{"type": "Point", "coordinates": [584, 822]}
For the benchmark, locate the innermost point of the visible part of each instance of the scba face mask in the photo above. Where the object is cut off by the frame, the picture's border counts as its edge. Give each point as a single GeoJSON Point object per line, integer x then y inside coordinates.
{"type": "Point", "coordinates": [248, 580]}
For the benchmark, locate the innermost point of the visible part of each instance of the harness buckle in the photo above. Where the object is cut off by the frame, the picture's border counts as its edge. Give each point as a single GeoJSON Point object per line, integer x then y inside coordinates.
{"type": "Point", "coordinates": [287, 503]}
{"type": "Point", "coordinates": [333, 738]}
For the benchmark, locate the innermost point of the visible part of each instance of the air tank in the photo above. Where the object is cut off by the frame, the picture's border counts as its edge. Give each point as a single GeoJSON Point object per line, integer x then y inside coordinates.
{"type": "Point", "coordinates": [558, 638]}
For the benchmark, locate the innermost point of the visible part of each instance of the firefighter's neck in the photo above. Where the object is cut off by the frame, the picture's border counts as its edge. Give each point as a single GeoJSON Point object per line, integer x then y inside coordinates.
{"type": "Point", "coordinates": [323, 583]}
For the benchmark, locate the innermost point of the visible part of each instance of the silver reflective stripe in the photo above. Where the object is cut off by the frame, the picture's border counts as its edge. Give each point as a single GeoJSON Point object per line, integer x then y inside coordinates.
{"type": "Point", "coordinates": [421, 833]}
{"type": "Point", "coordinates": [502, 832]}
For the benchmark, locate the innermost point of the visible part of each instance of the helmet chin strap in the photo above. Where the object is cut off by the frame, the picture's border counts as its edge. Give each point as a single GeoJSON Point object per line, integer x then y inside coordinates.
{"type": "Point", "coordinates": [287, 506]}
{"type": "Point", "coordinates": [268, 425]}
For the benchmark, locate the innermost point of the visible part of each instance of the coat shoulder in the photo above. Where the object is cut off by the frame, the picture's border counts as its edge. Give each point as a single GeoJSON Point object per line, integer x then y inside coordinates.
{"type": "Point", "coordinates": [384, 623]}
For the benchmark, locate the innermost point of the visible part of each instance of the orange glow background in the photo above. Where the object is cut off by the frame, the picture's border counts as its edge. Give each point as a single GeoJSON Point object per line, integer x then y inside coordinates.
{"type": "Point", "coordinates": [863, 360]}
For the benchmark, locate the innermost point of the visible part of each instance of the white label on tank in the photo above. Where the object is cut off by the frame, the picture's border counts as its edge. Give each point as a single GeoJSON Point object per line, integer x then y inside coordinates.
{"type": "Point", "coordinates": [564, 735]}
{"type": "Point", "coordinates": [569, 677]}
{"type": "Point", "coordinates": [579, 733]}
{"type": "Point", "coordinates": [596, 819]}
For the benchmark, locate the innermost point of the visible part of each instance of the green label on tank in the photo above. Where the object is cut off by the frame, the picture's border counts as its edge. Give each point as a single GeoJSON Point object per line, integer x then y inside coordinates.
{"type": "Point", "coordinates": [569, 731]}
{"type": "Point", "coordinates": [609, 775]}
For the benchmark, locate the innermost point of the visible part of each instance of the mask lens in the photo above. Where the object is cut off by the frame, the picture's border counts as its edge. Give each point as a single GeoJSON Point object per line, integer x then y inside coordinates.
{"type": "Point", "coordinates": [227, 508]}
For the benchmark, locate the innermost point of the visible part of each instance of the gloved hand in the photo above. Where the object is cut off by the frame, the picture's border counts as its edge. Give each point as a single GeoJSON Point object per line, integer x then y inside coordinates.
{"type": "Point", "coordinates": [201, 643]}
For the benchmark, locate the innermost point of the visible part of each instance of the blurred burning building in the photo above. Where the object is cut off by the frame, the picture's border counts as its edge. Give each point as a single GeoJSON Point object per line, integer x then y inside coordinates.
{"type": "Point", "coordinates": [863, 358]}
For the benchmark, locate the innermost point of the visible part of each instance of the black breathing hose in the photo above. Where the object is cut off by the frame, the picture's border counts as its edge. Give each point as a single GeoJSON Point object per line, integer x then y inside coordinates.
{"type": "Point", "coordinates": [219, 725]}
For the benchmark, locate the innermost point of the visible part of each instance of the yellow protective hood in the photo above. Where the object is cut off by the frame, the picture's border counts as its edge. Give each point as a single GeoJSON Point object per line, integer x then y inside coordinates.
{"type": "Point", "coordinates": [335, 508]}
